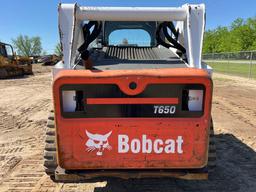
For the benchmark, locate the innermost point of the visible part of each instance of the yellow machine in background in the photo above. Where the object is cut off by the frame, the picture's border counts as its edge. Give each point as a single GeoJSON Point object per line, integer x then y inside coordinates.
{"type": "Point", "coordinates": [12, 65]}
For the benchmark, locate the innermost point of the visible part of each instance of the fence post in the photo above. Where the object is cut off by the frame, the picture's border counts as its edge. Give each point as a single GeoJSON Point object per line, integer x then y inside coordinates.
{"type": "Point", "coordinates": [228, 61]}
{"type": "Point", "coordinates": [250, 67]}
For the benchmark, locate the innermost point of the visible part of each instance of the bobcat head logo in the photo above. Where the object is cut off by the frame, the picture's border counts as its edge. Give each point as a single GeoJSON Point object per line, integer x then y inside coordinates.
{"type": "Point", "coordinates": [97, 142]}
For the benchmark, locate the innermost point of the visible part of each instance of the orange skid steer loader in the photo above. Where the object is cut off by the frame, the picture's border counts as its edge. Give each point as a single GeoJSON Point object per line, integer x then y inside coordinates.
{"type": "Point", "coordinates": [132, 97]}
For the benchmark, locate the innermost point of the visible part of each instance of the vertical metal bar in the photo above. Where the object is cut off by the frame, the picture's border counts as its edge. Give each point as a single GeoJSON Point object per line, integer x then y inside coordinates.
{"type": "Point", "coordinates": [250, 67]}
{"type": "Point", "coordinates": [213, 60]}
{"type": "Point", "coordinates": [228, 62]}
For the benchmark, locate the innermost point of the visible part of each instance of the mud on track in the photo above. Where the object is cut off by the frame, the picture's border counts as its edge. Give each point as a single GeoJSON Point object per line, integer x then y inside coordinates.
{"type": "Point", "coordinates": [24, 107]}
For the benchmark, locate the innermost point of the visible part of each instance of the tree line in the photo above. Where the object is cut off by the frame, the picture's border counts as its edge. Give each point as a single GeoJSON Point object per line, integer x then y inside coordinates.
{"type": "Point", "coordinates": [240, 36]}
{"type": "Point", "coordinates": [32, 46]}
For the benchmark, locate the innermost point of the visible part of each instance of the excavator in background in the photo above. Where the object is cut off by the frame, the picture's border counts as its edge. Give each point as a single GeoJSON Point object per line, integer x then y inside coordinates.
{"type": "Point", "coordinates": [12, 65]}
{"type": "Point", "coordinates": [48, 60]}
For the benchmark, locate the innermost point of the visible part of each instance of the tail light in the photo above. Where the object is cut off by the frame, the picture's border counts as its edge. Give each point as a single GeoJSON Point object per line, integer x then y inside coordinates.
{"type": "Point", "coordinates": [195, 100]}
{"type": "Point", "coordinates": [69, 101]}
{"type": "Point", "coordinates": [192, 100]}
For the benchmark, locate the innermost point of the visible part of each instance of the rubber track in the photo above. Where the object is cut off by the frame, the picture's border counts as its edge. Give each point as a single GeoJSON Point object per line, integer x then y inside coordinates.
{"type": "Point", "coordinates": [212, 150]}
{"type": "Point", "coordinates": [50, 163]}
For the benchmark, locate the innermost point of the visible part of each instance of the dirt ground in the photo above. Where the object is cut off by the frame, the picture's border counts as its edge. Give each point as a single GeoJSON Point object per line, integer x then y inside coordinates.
{"type": "Point", "coordinates": [24, 107]}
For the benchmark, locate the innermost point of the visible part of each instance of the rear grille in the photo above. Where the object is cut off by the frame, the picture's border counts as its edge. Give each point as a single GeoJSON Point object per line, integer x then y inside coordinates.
{"type": "Point", "coordinates": [131, 53]}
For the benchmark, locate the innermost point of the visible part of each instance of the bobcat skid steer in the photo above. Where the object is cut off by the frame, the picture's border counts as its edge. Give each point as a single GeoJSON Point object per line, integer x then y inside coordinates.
{"type": "Point", "coordinates": [132, 98]}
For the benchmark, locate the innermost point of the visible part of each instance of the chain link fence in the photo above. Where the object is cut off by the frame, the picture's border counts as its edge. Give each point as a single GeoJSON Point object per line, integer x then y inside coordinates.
{"type": "Point", "coordinates": [241, 63]}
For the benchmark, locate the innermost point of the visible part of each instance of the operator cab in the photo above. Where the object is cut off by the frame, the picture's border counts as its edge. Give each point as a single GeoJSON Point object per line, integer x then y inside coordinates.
{"type": "Point", "coordinates": [115, 45]}
{"type": "Point", "coordinates": [6, 51]}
